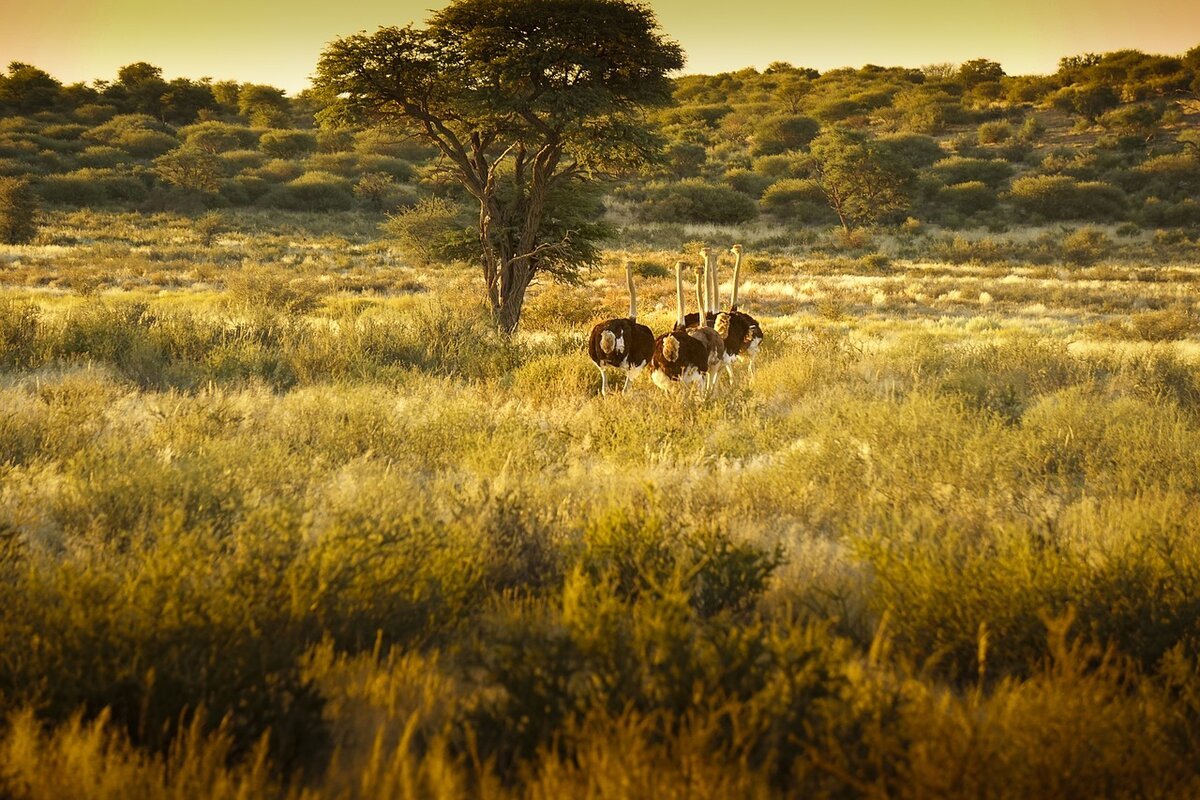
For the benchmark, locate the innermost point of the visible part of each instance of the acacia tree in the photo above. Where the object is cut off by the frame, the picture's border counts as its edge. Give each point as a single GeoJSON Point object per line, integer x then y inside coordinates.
{"type": "Point", "coordinates": [523, 99]}
{"type": "Point", "coordinates": [862, 181]}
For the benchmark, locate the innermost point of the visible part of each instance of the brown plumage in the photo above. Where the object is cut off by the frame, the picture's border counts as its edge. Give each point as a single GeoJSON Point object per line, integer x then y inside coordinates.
{"type": "Point", "coordinates": [745, 334]}
{"type": "Point", "coordinates": [678, 358]}
{"type": "Point", "coordinates": [714, 345]}
{"type": "Point", "coordinates": [622, 343]}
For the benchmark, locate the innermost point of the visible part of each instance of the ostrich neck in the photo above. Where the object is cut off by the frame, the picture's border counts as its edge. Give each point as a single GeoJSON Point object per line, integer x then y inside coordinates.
{"type": "Point", "coordinates": [737, 269]}
{"type": "Point", "coordinates": [699, 301]}
{"type": "Point", "coordinates": [714, 294]}
{"type": "Point", "coordinates": [632, 292]}
{"type": "Point", "coordinates": [679, 291]}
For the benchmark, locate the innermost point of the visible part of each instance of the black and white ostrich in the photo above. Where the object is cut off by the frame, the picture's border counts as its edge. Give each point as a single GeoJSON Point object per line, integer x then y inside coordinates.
{"type": "Point", "coordinates": [623, 343]}
{"type": "Point", "coordinates": [705, 334]}
{"type": "Point", "coordinates": [743, 335]}
{"type": "Point", "coordinates": [678, 358]}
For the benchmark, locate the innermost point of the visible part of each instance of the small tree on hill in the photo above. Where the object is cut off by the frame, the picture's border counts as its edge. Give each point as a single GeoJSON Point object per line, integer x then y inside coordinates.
{"type": "Point", "coordinates": [862, 181]}
{"type": "Point", "coordinates": [522, 98]}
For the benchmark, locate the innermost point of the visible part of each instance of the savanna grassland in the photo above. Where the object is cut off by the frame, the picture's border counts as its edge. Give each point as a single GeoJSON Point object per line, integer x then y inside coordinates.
{"type": "Point", "coordinates": [282, 516]}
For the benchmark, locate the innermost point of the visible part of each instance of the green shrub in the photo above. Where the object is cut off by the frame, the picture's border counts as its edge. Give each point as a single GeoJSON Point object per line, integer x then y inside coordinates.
{"type": "Point", "coordinates": [914, 149]}
{"type": "Point", "coordinates": [87, 187]}
{"type": "Point", "coordinates": [1086, 246]}
{"type": "Point", "coordinates": [779, 133]}
{"type": "Point", "coordinates": [967, 198]}
{"type": "Point", "coordinates": [1060, 197]}
{"type": "Point", "coordinates": [136, 134]}
{"type": "Point", "coordinates": [957, 169]}
{"type": "Point", "coordinates": [18, 211]}
{"type": "Point", "coordinates": [696, 201]}
{"type": "Point", "coordinates": [797, 200]}
{"type": "Point", "coordinates": [287, 144]}
{"type": "Point", "coordinates": [218, 137]}
{"type": "Point", "coordinates": [313, 191]}
{"type": "Point", "coordinates": [434, 230]}
{"type": "Point", "coordinates": [748, 183]}
{"type": "Point", "coordinates": [995, 132]}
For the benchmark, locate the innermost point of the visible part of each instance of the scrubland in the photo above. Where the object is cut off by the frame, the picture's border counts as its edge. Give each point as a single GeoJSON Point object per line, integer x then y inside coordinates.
{"type": "Point", "coordinates": [281, 517]}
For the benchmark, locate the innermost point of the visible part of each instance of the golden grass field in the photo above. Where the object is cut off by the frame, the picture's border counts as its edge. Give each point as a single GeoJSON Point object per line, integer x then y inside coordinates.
{"type": "Point", "coordinates": [281, 517]}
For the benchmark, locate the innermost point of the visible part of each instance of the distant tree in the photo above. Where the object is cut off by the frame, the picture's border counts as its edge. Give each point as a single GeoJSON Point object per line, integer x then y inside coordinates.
{"type": "Point", "coordinates": [862, 181]}
{"type": "Point", "coordinates": [183, 100]}
{"type": "Point", "coordinates": [527, 101]}
{"type": "Point", "coordinates": [26, 89]}
{"type": "Point", "coordinates": [213, 137]}
{"type": "Point", "coordinates": [189, 168]}
{"type": "Point", "coordinates": [685, 159]}
{"type": "Point", "coordinates": [139, 89]}
{"type": "Point", "coordinates": [1088, 101]}
{"type": "Point", "coordinates": [18, 209]}
{"type": "Point", "coordinates": [979, 70]}
{"type": "Point", "coordinates": [225, 93]}
{"type": "Point", "coordinates": [264, 106]}
{"type": "Point", "coordinates": [779, 133]}
{"type": "Point", "coordinates": [943, 71]}
{"type": "Point", "coordinates": [792, 90]}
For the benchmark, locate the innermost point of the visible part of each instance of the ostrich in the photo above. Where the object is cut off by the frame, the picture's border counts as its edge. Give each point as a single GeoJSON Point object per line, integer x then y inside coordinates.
{"type": "Point", "coordinates": [678, 358]}
{"type": "Point", "coordinates": [621, 343]}
{"type": "Point", "coordinates": [693, 320]}
{"type": "Point", "coordinates": [742, 333]}
{"type": "Point", "coordinates": [712, 341]}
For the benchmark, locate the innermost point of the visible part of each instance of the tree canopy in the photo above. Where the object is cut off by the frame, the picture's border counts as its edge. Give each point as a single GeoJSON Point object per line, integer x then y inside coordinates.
{"type": "Point", "coordinates": [536, 94]}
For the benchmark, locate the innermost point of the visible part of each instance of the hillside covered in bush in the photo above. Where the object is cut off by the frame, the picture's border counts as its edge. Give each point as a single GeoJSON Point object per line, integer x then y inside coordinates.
{"type": "Point", "coordinates": [1107, 139]}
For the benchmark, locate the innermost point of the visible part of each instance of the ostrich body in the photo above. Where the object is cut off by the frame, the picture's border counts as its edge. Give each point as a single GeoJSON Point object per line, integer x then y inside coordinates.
{"type": "Point", "coordinates": [742, 333]}
{"type": "Point", "coordinates": [705, 334]}
{"type": "Point", "coordinates": [678, 359]}
{"type": "Point", "coordinates": [622, 343]}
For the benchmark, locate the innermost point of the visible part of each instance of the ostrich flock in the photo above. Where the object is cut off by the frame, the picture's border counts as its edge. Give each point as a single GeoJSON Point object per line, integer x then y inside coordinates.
{"type": "Point", "coordinates": [696, 349]}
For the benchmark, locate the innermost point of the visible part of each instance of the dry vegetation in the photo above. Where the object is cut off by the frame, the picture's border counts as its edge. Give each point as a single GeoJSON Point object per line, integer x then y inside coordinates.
{"type": "Point", "coordinates": [280, 517]}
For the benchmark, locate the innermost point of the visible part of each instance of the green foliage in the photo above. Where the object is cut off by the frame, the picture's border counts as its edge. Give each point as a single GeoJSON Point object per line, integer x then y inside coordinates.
{"type": "Point", "coordinates": [1061, 197]}
{"type": "Point", "coordinates": [137, 134]}
{"type": "Point", "coordinates": [862, 181]}
{"type": "Point", "coordinates": [434, 230]}
{"type": "Point", "coordinates": [287, 144]}
{"type": "Point", "coordinates": [914, 149]}
{"type": "Point", "coordinates": [1086, 246]}
{"type": "Point", "coordinates": [87, 187]}
{"type": "Point", "coordinates": [217, 137]}
{"type": "Point", "coordinates": [779, 133]}
{"type": "Point", "coordinates": [799, 200]}
{"type": "Point", "coordinates": [956, 169]}
{"type": "Point", "coordinates": [18, 211]}
{"type": "Point", "coordinates": [312, 191]}
{"type": "Point", "coordinates": [189, 167]}
{"type": "Point", "coordinates": [967, 198]}
{"type": "Point", "coordinates": [696, 200]}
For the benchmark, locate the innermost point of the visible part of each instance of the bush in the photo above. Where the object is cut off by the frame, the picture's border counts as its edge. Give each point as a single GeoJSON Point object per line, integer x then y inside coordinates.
{"type": "Point", "coordinates": [434, 230]}
{"type": "Point", "coordinates": [312, 191]}
{"type": "Point", "coordinates": [86, 187]}
{"type": "Point", "coordinates": [289, 144]}
{"type": "Point", "coordinates": [18, 210]}
{"type": "Point", "coordinates": [218, 137]}
{"type": "Point", "coordinates": [957, 169]}
{"type": "Point", "coordinates": [1061, 197]}
{"type": "Point", "coordinates": [995, 132]}
{"type": "Point", "coordinates": [799, 200]}
{"type": "Point", "coordinates": [696, 201]}
{"type": "Point", "coordinates": [748, 183]}
{"type": "Point", "coordinates": [1086, 246]}
{"type": "Point", "coordinates": [779, 133]}
{"type": "Point", "coordinates": [967, 198]}
{"type": "Point", "coordinates": [136, 134]}
{"type": "Point", "coordinates": [914, 149]}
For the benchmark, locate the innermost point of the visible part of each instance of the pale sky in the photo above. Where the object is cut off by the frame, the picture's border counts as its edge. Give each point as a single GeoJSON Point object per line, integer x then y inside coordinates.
{"type": "Point", "coordinates": [275, 42]}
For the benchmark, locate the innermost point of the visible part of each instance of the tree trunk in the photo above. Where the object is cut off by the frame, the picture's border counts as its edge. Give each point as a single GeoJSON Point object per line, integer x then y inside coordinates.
{"type": "Point", "coordinates": [508, 315]}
